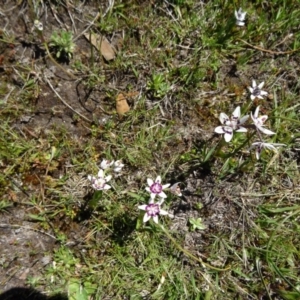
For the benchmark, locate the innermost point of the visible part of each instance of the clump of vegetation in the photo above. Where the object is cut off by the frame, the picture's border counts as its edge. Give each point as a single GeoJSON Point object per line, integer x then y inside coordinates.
{"type": "Point", "coordinates": [62, 43]}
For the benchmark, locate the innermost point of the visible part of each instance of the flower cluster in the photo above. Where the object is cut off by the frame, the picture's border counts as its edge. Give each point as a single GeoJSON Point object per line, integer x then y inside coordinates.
{"type": "Point", "coordinates": [229, 125]}
{"type": "Point", "coordinates": [153, 209]}
{"type": "Point", "coordinates": [99, 182]}
{"type": "Point", "coordinates": [116, 165]}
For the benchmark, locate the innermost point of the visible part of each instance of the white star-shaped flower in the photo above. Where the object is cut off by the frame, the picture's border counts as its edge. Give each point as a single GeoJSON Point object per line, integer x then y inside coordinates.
{"type": "Point", "coordinates": [240, 16]}
{"type": "Point", "coordinates": [153, 210]}
{"type": "Point", "coordinates": [231, 124]}
{"type": "Point", "coordinates": [259, 122]}
{"type": "Point", "coordinates": [259, 146]}
{"type": "Point", "coordinates": [155, 188]}
{"type": "Point", "coordinates": [256, 90]}
{"type": "Point", "coordinates": [99, 182]}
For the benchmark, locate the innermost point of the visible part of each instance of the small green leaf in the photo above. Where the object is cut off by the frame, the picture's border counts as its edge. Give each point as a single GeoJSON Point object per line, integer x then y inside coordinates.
{"type": "Point", "coordinates": [76, 291]}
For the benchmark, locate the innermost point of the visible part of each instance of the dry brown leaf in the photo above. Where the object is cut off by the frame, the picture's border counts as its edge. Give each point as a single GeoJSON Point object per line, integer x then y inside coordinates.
{"type": "Point", "coordinates": [101, 43]}
{"type": "Point", "coordinates": [121, 105]}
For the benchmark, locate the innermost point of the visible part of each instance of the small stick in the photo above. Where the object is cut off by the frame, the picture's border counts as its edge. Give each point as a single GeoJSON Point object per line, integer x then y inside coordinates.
{"type": "Point", "coordinates": [269, 51]}
{"type": "Point", "coordinates": [66, 104]}
{"type": "Point", "coordinates": [26, 227]}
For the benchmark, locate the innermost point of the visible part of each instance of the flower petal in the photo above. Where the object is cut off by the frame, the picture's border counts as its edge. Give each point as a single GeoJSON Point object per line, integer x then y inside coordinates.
{"type": "Point", "coordinates": [158, 179]}
{"type": "Point", "coordinates": [239, 22]}
{"type": "Point", "coordinates": [162, 195]}
{"type": "Point", "coordinates": [152, 196]}
{"type": "Point", "coordinates": [143, 207]}
{"type": "Point", "coordinates": [106, 187]}
{"type": "Point", "coordinates": [257, 153]}
{"type": "Point", "coordinates": [100, 173]}
{"type": "Point", "coordinates": [270, 147]}
{"type": "Point", "coordinates": [263, 118]}
{"type": "Point", "coordinates": [163, 212]}
{"type": "Point", "coordinates": [150, 181]}
{"type": "Point", "coordinates": [256, 112]}
{"type": "Point", "coordinates": [242, 129]}
{"type": "Point", "coordinates": [155, 219]}
{"type": "Point", "coordinates": [146, 218]}
{"type": "Point", "coordinates": [254, 84]}
{"type": "Point", "coordinates": [108, 178]}
{"type": "Point", "coordinates": [219, 130]}
{"type": "Point", "coordinates": [244, 119]}
{"type": "Point", "coordinates": [161, 201]}
{"type": "Point", "coordinates": [165, 186]}
{"type": "Point", "coordinates": [151, 200]}
{"type": "Point", "coordinates": [265, 130]}
{"type": "Point", "coordinates": [237, 112]}
{"type": "Point", "coordinates": [106, 164]}
{"type": "Point", "coordinates": [223, 118]}
{"type": "Point", "coordinates": [228, 137]}
{"type": "Point", "coordinates": [260, 86]}
{"type": "Point", "coordinates": [263, 93]}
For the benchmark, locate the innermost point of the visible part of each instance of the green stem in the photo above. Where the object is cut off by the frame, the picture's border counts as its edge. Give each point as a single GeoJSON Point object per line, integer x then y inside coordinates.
{"type": "Point", "coordinates": [51, 57]}
{"type": "Point", "coordinates": [189, 254]}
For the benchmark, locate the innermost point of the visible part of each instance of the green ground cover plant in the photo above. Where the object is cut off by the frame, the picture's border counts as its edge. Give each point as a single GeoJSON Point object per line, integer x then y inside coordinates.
{"type": "Point", "coordinates": [152, 147]}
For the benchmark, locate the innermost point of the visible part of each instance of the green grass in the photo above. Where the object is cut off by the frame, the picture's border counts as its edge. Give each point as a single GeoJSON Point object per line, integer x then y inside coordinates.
{"type": "Point", "coordinates": [189, 63]}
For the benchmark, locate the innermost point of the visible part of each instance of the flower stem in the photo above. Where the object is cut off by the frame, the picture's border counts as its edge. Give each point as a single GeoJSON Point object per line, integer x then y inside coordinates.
{"type": "Point", "coordinates": [51, 57]}
{"type": "Point", "coordinates": [189, 254]}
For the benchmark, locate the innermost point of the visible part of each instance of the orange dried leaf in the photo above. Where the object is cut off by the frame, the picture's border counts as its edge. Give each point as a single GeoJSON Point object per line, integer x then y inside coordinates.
{"type": "Point", "coordinates": [121, 105]}
{"type": "Point", "coordinates": [101, 43]}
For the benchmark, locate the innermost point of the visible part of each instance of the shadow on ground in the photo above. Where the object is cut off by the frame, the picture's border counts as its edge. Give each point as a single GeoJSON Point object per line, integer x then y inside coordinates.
{"type": "Point", "coordinates": [22, 293]}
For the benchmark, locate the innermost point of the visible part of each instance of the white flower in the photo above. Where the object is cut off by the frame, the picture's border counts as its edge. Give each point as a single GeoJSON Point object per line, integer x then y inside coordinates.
{"type": "Point", "coordinates": [261, 145]}
{"type": "Point", "coordinates": [152, 210]}
{"type": "Point", "coordinates": [259, 122]}
{"type": "Point", "coordinates": [118, 166]}
{"type": "Point", "coordinates": [99, 182]}
{"type": "Point", "coordinates": [38, 25]}
{"type": "Point", "coordinates": [240, 16]}
{"type": "Point", "coordinates": [105, 164]}
{"type": "Point", "coordinates": [175, 189]}
{"type": "Point", "coordinates": [256, 90]}
{"type": "Point", "coordinates": [230, 125]}
{"type": "Point", "coordinates": [156, 188]}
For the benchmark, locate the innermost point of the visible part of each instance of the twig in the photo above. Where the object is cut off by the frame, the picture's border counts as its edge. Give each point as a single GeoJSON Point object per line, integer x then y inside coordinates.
{"type": "Point", "coordinates": [110, 6]}
{"type": "Point", "coordinates": [57, 64]}
{"type": "Point", "coordinates": [269, 51]}
{"type": "Point", "coordinates": [88, 28]}
{"type": "Point", "coordinates": [28, 228]}
{"type": "Point", "coordinates": [66, 104]}
{"type": "Point", "coordinates": [189, 254]}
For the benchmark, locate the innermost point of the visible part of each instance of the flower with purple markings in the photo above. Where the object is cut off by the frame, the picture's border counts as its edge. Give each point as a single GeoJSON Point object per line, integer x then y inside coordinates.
{"type": "Point", "coordinates": [99, 182]}
{"type": "Point", "coordinates": [231, 124]}
{"type": "Point", "coordinates": [152, 210]}
{"type": "Point", "coordinates": [259, 146]}
{"type": "Point", "coordinates": [259, 122]}
{"type": "Point", "coordinates": [155, 188]}
{"type": "Point", "coordinates": [256, 90]}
